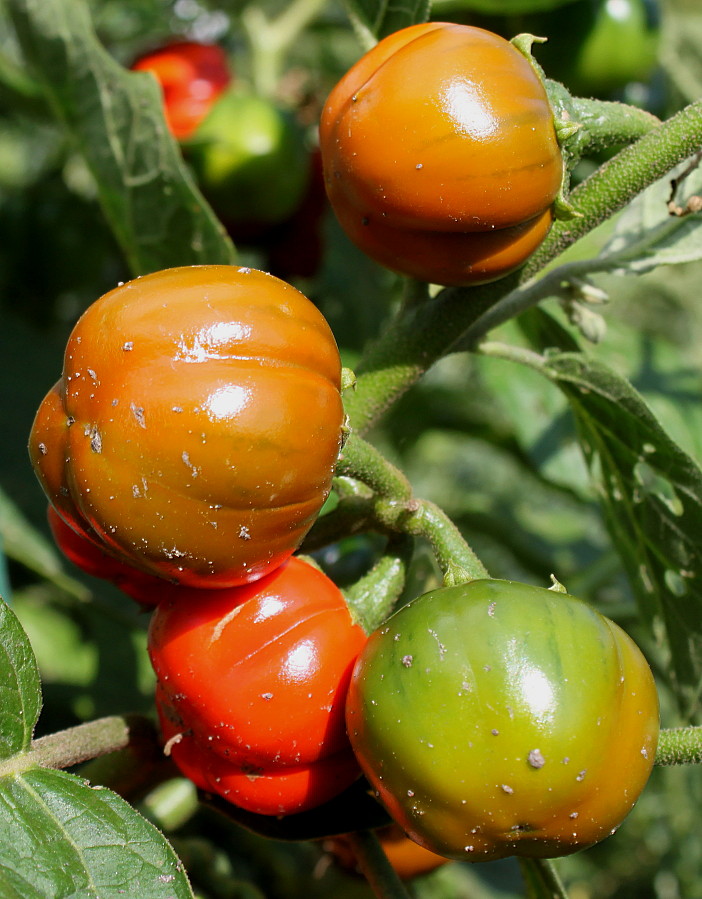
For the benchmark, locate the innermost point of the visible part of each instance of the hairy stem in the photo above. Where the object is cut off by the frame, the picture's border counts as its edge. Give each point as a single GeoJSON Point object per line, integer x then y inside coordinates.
{"type": "Point", "coordinates": [78, 744]}
{"type": "Point", "coordinates": [680, 746]}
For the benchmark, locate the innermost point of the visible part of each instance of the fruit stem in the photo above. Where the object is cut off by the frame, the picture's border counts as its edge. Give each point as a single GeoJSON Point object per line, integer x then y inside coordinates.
{"type": "Point", "coordinates": [78, 744]}
{"type": "Point", "coordinates": [680, 746]}
{"type": "Point", "coordinates": [541, 879]}
{"type": "Point", "coordinates": [375, 866]}
{"type": "Point", "coordinates": [596, 124]}
{"type": "Point", "coordinates": [617, 181]}
{"type": "Point", "coordinates": [393, 509]}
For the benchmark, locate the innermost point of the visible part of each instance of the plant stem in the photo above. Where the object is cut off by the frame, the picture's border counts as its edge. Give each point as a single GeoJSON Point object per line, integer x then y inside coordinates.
{"type": "Point", "coordinates": [78, 744]}
{"type": "Point", "coordinates": [604, 123]}
{"type": "Point", "coordinates": [270, 40]}
{"type": "Point", "coordinates": [680, 746]}
{"type": "Point", "coordinates": [620, 179]}
{"type": "Point", "coordinates": [541, 879]}
{"type": "Point", "coordinates": [393, 509]}
{"type": "Point", "coordinates": [512, 353]}
{"type": "Point", "coordinates": [362, 461]}
{"type": "Point", "coordinates": [372, 598]}
{"type": "Point", "coordinates": [421, 518]}
{"type": "Point", "coordinates": [375, 866]}
{"type": "Point", "coordinates": [415, 339]}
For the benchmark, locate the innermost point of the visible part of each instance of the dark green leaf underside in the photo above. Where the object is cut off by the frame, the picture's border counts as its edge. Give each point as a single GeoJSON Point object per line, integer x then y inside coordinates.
{"type": "Point", "coordinates": [651, 492]}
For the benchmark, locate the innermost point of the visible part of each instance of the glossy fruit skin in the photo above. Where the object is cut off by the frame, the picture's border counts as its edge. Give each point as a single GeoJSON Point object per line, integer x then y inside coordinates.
{"type": "Point", "coordinates": [439, 132]}
{"type": "Point", "coordinates": [191, 75]}
{"type": "Point", "coordinates": [196, 426]}
{"type": "Point", "coordinates": [250, 161]}
{"type": "Point", "coordinates": [496, 718]}
{"type": "Point", "coordinates": [273, 791]}
{"type": "Point", "coordinates": [257, 676]}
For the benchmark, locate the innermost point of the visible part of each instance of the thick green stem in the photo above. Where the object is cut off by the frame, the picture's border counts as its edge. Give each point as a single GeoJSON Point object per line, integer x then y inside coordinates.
{"type": "Point", "coordinates": [372, 598]}
{"type": "Point", "coordinates": [680, 746]}
{"type": "Point", "coordinates": [375, 866]}
{"type": "Point", "coordinates": [362, 461]}
{"type": "Point", "coordinates": [604, 124]}
{"type": "Point", "coordinates": [391, 508]}
{"type": "Point", "coordinates": [77, 744]}
{"type": "Point", "coordinates": [420, 518]}
{"type": "Point", "coordinates": [620, 179]}
{"type": "Point", "coordinates": [412, 343]}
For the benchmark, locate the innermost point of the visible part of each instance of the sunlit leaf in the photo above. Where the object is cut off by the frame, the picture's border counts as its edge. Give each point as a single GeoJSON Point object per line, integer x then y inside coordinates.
{"type": "Point", "coordinates": [20, 696]}
{"type": "Point", "coordinates": [61, 837]}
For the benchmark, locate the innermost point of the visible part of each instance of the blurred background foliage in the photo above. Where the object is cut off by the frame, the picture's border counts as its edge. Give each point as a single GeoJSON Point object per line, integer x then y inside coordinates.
{"type": "Point", "coordinates": [496, 451]}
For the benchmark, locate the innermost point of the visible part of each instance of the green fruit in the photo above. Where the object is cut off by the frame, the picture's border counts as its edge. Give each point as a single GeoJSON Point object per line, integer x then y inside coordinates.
{"type": "Point", "coordinates": [495, 718]}
{"type": "Point", "coordinates": [620, 46]}
{"type": "Point", "coordinates": [250, 159]}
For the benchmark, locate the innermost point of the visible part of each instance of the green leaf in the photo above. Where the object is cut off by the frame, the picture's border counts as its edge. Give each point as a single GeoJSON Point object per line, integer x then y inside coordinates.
{"type": "Point", "coordinates": [115, 119]}
{"type": "Point", "coordinates": [647, 234]}
{"type": "Point", "coordinates": [20, 694]}
{"type": "Point", "coordinates": [651, 492]}
{"type": "Point", "coordinates": [61, 837]}
{"type": "Point", "coordinates": [681, 56]}
{"type": "Point", "coordinates": [24, 544]}
{"type": "Point", "coordinates": [375, 19]}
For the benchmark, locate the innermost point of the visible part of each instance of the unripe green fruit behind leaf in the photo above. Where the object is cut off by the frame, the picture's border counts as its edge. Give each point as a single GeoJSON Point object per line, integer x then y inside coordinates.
{"type": "Point", "coordinates": [250, 159]}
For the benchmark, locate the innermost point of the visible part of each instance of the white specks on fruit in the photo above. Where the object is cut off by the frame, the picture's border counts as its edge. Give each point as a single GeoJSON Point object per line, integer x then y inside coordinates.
{"type": "Point", "coordinates": [536, 759]}
{"type": "Point", "coordinates": [138, 413]}
{"type": "Point", "coordinates": [95, 440]}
